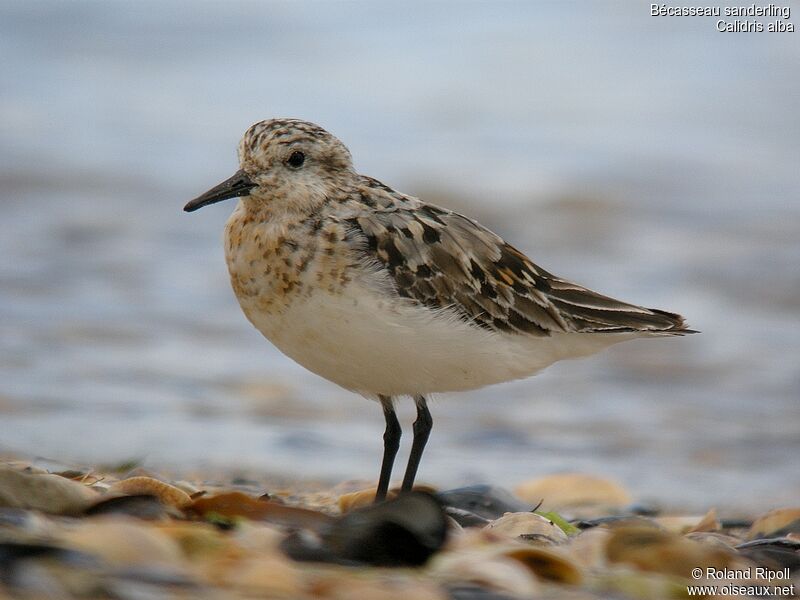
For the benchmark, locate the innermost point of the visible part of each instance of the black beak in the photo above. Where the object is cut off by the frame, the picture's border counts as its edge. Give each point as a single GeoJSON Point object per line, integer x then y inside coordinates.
{"type": "Point", "coordinates": [234, 187]}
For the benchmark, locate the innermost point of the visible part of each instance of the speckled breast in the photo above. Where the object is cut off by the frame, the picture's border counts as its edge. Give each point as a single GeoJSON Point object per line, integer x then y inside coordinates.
{"type": "Point", "coordinates": [274, 263]}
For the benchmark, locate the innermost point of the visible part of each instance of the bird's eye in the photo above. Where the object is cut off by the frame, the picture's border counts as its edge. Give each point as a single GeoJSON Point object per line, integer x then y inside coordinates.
{"type": "Point", "coordinates": [296, 160]}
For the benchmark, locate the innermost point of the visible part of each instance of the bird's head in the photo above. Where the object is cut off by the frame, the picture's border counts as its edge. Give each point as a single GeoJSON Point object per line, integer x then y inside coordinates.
{"type": "Point", "coordinates": [288, 164]}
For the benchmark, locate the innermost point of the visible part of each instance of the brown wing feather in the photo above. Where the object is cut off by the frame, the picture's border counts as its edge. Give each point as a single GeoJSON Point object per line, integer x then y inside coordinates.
{"type": "Point", "coordinates": [445, 260]}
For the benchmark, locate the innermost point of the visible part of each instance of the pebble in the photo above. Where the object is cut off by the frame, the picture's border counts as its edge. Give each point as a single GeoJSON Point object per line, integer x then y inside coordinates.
{"type": "Point", "coordinates": [142, 539]}
{"type": "Point", "coordinates": [406, 530]}
{"type": "Point", "coordinates": [43, 491]}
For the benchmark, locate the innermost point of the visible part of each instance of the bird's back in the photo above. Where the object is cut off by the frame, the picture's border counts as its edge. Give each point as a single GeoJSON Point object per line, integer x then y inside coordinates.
{"type": "Point", "coordinates": [442, 259]}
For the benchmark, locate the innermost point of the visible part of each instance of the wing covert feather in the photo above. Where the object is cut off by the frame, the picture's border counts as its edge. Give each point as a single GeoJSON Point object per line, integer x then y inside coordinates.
{"type": "Point", "coordinates": [444, 260]}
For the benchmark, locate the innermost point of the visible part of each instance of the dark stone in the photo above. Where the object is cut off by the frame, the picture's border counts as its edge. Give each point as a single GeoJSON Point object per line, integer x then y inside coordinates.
{"type": "Point", "coordinates": [736, 523]}
{"type": "Point", "coordinates": [13, 553]}
{"type": "Point", "coordinates": [16, 518]}
{"type": "Point", "coordinates": [404, 531]}
{"type": "Point", "coordinates": [152, 575]}
{"type": "Point", "coordinates": [141, 506]}
{"type": "Point", "coordinates": [773, 553]}
{"type": "Point", "coordinates": [632, 520]}
{"type": "Point", "coordinates": [644, 510]}
{"type": "Point", "coordinates": [486, 501]}
{"type": "Point", "coordinates": [466, 518]}
{"type": "Point", "coordinates": [475, 592]}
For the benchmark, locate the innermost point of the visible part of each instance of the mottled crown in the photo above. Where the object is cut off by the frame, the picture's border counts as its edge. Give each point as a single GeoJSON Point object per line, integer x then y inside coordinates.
{"type": "Point", "coordinates": [273, 140]}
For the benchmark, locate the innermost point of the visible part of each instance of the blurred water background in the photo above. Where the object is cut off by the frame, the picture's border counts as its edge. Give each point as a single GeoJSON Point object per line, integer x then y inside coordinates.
{"type": "Point", "coordinates": [653, 159]}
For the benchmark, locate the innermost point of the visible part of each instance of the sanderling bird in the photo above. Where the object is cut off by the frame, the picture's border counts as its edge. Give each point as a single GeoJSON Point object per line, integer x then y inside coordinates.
{"type": "Point", "coordinates": [388, 296]}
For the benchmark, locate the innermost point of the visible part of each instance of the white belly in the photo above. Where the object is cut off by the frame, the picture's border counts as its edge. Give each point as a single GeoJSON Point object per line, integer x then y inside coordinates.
{"type": "Point", "coordinates": [374, 345]}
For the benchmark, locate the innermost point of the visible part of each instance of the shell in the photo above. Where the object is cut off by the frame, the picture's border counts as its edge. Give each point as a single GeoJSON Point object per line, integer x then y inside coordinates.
{"type": "Point", "coordinates": [534, 527]}
{"type": "Point", "coordinates": [232, 505]}
{"type": "Point", "coordinates": [43, 491]}
{"type": "Point", "coordinates": [570, 490]}
{"type": "Point", "coordinates": [365, 497]}
{"type": "Point", "coordinates": [342, 585]}
{"type": "Point", "coordinates": [357, 499]}
{"type": "Point", "coordinates": [714, 539]}
{"type": "Point", "coordinates": [684, 524]}
{"type": "Point", "coordinates": [487, 569]}
{"type": "Point", "coordinates": [122, 541]}
{"type": "Point", "coordinates": [198, 541]}
{"type": "Point", "coordinates": [780, 521]}
{"type": "Point", "coordinates": [166, 493]}
{"type": "Point", "coordinates": [547, 564]}
{"type": "Point", "coordinates": [264, 577]}
{"type": "Point", "coordinates": [624, 582]}
{"type": "Point", "coordinates": [709, 522]}
{"type": "Point", "coordinates": [663, 552]}
{"type": "Point", "coordinates": [588, 548]}
{"type": "Point", "coordinates": [254, 536]}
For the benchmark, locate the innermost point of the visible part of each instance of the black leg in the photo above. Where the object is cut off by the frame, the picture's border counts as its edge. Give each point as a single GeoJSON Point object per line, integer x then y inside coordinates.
{"type": "Point", "coordinates": [422, 430]}
{"type": "Point", "coordinates": [391, 442]}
